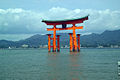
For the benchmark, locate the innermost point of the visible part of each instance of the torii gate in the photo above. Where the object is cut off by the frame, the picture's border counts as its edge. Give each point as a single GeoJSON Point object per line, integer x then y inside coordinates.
{"type": "Point", "coordinates": [73, 38]}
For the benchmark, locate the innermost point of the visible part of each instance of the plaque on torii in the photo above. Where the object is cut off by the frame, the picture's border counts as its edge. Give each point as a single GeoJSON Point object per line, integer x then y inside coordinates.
{"type": "Point", "coordinates": [74, 41]}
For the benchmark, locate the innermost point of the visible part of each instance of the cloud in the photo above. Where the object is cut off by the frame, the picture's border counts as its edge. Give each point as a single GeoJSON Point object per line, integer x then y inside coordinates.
{"type": "Point", "coordinates": [99, 20]}
{"type": "Point", "coordinates": [20, 21]}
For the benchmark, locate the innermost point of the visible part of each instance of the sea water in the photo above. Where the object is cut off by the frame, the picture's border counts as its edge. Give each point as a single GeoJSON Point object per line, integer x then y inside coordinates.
{"type": "Point", "coordinates": [38, 64]}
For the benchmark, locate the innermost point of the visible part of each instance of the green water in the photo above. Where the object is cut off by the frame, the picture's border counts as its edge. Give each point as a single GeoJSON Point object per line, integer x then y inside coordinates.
{"type": "Point", "coordinates": [38, 64]}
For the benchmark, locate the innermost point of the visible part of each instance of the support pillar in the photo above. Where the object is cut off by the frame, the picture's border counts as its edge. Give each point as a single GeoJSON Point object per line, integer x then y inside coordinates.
{"type": "Point", "coordinates": [54, 39]}
{"type": "Point", "coordinates": [78, 39]}
{"type": "Point", "coordinates": [71, 42]}
{"type": "Point", "coordinates": [74, 39]}
{"type": "Point", "coordinates": [49, 44]}
{"type": "Point", "coordinates": [58, 43]}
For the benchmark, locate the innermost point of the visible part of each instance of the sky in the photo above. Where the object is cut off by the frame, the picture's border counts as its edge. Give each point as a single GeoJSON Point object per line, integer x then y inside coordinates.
{"type": "Point", "coordinates": [20, 19]}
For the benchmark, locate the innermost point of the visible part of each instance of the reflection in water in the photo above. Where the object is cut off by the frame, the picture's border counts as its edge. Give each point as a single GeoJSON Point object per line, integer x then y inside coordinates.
{"type": "Point", "coordinates": [52, 64]}
{"type": "Point", "coordinates": [75, 65]}
{"type": "Point", "coordinates": [64, 66]}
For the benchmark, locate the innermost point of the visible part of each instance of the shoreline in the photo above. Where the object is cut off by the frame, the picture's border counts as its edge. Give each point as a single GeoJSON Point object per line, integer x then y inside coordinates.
{"type": "Point", "coordinates": [61, 48]}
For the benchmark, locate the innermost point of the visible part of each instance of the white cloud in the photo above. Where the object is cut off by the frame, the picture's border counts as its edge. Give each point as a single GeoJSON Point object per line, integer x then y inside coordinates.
{"type": "Point", "coordinates": [17, 10]}
{"type": "Point", "coordinates": [26, 21]}
{"type": "Point", "coordinates": [20, 21]}
{"type": "Point", "coordinates": [77, 10]}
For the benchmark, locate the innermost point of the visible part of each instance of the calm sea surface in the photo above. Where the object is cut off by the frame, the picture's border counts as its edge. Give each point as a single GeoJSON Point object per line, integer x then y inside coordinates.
{"type": "Point", "coordinates": [38, 64]}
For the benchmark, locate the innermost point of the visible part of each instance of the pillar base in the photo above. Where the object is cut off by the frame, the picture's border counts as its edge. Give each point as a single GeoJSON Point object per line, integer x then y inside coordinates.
{"type": "Point", "coordinates": [49, 51]}
{"type": "Point", "coordinates": [58, 50]}
{"type": "Point", "coordinates": [78, 50]}
{"type": "Point", "coordinates": [73, 50]}
{"type": "Point", "coordinates": [53, 50]}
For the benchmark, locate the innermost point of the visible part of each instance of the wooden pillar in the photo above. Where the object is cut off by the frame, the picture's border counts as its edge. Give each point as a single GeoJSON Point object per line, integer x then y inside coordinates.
{"type": "Point", "coordinates": [49, 44]}
{"type": "Point", "coordinates": [74, 39]}
{"type": "Point", "coordinates": [71, 42]}
{"type": "Point", "coordinates": [54, 39]}
{"type": "Point", "coordinates": [78, 39]}
{"type": "Point", "coordinates": [58, 43]}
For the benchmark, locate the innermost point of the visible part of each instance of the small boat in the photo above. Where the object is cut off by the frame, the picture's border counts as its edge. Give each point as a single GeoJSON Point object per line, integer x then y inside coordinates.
{"type": "Point", "coordinates": [118, 74]}
{"type": "Point", "coordinates": [118, 68]}
{"type": "Point", "coordinates": [9, 47]}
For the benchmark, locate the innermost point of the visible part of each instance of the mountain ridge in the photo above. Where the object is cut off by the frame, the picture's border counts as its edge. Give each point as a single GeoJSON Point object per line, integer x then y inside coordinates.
{"type": "Point", "coordinates": [106, 38]}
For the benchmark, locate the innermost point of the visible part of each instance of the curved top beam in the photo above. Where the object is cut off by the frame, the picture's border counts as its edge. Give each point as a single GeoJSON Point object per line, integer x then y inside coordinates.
{"type": "Point", "coordinates": [67, 21]}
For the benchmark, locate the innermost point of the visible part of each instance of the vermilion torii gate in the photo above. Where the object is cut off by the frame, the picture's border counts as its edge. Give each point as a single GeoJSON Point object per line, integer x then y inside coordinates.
{"type": "Point", "coordinates": [73, 38]}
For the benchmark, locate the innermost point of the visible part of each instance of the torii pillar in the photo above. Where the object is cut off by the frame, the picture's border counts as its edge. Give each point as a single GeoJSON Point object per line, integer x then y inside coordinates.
{"type": "Point", "coordinates": [58, 43]}
{"type": "Point", "coordinates": [54, 39]}
{"type": "Point", "coordinates": [74, 39]}
{"type": "Point", "coordinates": [71, 42]}
{"type": "Point", "coordinates": [78, 40]}
{"type": "Point", "coordinates": [49, 43]}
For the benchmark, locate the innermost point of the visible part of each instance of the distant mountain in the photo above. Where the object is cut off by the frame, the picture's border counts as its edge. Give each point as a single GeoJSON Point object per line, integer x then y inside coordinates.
{"type": "Point", "coordinates": [106, 38]}
{"type": "Point", "coordinates": [34, 41]}
{"type": "Point", "coordinates": [37, 40]}
{"type": "Point", "coordinates": [6, 44]}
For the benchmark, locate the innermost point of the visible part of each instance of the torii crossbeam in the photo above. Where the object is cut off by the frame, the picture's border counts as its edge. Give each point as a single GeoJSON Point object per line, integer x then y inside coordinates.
{"type": "Point", "coordinates": [73, 39]}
